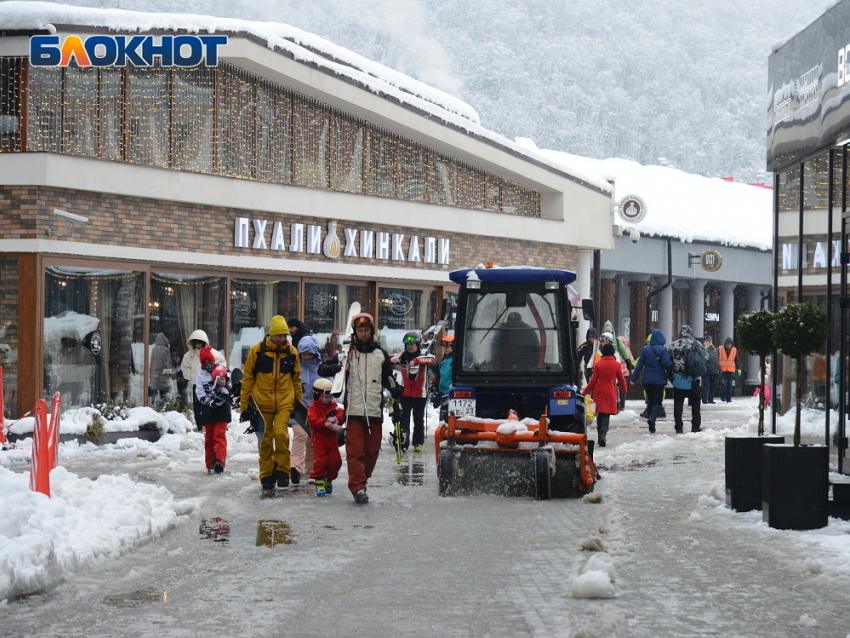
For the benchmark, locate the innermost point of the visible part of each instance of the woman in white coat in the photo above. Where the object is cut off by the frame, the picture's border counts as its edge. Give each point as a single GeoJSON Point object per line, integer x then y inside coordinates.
{"type": "Point", "coordinates": [191, 364]}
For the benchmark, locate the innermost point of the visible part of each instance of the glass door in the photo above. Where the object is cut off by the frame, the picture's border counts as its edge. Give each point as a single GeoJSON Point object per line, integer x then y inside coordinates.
{"type": "Point", "coordinates": [843, 370]}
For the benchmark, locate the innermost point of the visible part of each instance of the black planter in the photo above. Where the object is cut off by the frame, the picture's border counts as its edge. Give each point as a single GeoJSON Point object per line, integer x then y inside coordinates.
{"type": "Point", "coordinates": [743, 470]}
{"type": "Point", "coordinates": [795, 486]}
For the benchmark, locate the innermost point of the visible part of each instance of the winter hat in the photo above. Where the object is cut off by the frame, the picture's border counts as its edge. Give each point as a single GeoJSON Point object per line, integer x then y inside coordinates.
{"type": "Point", "coordinates": [607, 350]}
{"type": "Point", "coordinates": [591, 334]}
{"type": "Point", "coordinates": [207, 356]}
{"type": "Point", "coordinates": [294, 323]}
{"type": "Point", "coordinates": [728, 341]}
{"type": "Point", "coordinates": [279, 326]}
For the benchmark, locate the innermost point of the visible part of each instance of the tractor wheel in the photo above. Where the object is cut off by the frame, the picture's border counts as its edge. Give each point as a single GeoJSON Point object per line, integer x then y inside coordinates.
{"type": "Point", "coordinates": [543, 475]}
{"type": "Point", "coordinates": [447, 473]}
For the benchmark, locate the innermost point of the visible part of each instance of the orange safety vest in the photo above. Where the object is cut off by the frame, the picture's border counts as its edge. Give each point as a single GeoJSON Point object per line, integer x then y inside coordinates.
{"type": "Point", "coordinates": [727, 362]}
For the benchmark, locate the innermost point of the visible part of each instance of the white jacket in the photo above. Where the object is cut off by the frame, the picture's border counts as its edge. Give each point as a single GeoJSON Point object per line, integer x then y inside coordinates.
{"type": "Point", "coordinates": [191, 363]}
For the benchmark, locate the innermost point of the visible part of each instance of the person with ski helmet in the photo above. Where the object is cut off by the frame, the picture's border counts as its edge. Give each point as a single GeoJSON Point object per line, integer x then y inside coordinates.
{"type": "Point", "coordinates": [273, 378]}
{"type": "Point", "coordinates": [414, 377]}
{"type": "Point", "coordinates": [325, 418]}
{"type": "Point", "coordinates": [444, 374]}
{"type": "Point", "coordinates": [369, 370]}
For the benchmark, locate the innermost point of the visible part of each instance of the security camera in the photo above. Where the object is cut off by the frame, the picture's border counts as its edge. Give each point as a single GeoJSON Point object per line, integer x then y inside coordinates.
{"type": "Point", "coordinates": [634, 236]}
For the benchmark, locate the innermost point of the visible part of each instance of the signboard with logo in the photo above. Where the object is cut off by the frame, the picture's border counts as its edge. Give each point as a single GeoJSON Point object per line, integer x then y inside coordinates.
{"type": "Point", "coordinates": [632, 209]}
{"type": "Point", "coordinates": [710, 260]}
{"type": "Point", "coordinates": [809, 89]}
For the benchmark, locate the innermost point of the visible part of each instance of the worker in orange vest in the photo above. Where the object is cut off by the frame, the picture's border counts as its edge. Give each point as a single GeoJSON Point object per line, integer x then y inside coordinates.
{"type": "Point", "coordinates": [729, 368]}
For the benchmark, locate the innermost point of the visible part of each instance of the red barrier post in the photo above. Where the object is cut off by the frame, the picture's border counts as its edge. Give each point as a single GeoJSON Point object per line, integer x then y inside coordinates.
{"type": "Point", "coordinates": [2, 411]}
{"type": "Point", "coordinates": [40, 470]}
{"type": "Point", "coordinates": [55, 413]}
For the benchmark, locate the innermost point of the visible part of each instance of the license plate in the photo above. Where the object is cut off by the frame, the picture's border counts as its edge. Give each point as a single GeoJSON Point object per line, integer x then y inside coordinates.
{"type": "Point", "coordinates": [462, 407]}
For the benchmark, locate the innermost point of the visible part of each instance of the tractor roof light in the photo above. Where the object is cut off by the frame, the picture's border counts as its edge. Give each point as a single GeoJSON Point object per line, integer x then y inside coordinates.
{"type": "Point", "coordinates": [552, 285]}
{"type": "Point", "coordinates": [473, 284]}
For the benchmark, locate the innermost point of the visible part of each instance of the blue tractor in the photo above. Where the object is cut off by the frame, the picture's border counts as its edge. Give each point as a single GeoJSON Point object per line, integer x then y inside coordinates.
{"type": "Point", "coordinates": [516, 420]}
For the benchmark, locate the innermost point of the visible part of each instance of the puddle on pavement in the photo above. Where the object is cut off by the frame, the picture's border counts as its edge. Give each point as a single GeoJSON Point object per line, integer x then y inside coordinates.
{"type": "Point", "coordinates": [271, 533]}
{"type": "Point", "coordinates": [216, 529]}
{"type": "Point", "coordinates": [411, 473]}
{"type": "Point", "coordinates": [137, 598]}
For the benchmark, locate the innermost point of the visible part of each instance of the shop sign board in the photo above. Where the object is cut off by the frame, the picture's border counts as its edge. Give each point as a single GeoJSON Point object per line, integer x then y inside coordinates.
{"type": "Point", "coordinates": [632, 209]}
{"type": "Point", "coordinates": [808, 103]}
{"type": "Point", "coordinates": [366, 244]}
{"type": "Point", "coordinates": [710, 260]}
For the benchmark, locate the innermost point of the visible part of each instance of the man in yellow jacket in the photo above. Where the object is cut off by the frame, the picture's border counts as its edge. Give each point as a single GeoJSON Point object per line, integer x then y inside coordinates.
{"type": "Point", "coordinates": [273, 377]}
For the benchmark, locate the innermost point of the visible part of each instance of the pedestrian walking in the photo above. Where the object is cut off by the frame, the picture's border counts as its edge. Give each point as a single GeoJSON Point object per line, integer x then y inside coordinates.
{"type": "Point", "coordinates": [686, 380]}
{"type": "Point", "coordinates": [729, 365]}
{"type": "Point", "coordinates": [652, 367]}
{"type": "Point", "coordinates": [325, 418]}
{"type": "Point", "coordinates": [605, 384]}
{"type": "Point", "coordinates": [298, 330]}
{"type": "Point", "coordinates": [368, 372]}
{"type": "Point", "coordinates": [444, 370]}
{"type": "Point", "coordinates": [273, 378]}
{"type": "Point", "coordinates": [623, 351]}
{"type": "Point", "coordinates": [709, 380]}
{"type": "Point", "coordinates": [212, 388]}
{"type": "Point", "coordinates": [191, 365]}
{"type": "Point", "coordinates": [414, 379]}
{"type": "Point", "coordinates": [585, 352]}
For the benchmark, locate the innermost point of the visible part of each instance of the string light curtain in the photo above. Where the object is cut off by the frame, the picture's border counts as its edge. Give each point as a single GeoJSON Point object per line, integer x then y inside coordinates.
{"type": "Point", "coordinates": [229, 122]}
{"type": "Point", "coordinates": [193, 119]}
{"type": "Point", "coordinates": [80, 112]}
{"type": "Point", "coordinates": [11, 82]}
{"type": "Point", "coordinates": [311, 143]}
{"type": "Point", "coordinates": [149, 114]}
{"type": "Point", "coordinates": [274, 134]}
{"type": "Point", "coordinates": [236, 117]}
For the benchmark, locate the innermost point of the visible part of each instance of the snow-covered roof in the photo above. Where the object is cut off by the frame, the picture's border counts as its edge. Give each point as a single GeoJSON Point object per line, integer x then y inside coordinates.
{"type": "Point", "coordinates": [305, 47]}
{"type": "Point", "coordinates": [682, 205]}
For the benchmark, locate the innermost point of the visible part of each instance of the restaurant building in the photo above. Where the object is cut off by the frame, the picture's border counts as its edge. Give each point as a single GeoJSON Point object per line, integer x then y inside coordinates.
{"type": "Point", "coordinates": [808, 129]}
{"type": "Point", "coordinates": [213, 183]}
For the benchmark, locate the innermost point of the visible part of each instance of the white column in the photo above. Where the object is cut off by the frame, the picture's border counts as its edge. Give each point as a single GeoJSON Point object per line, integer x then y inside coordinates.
{"type": "Point", "coordinates": [665, 314]}
{"type": "Point", "coordinates": [727, 313]}
{"type": "Point", "coordinates": [697, 309]}
{"type": "Point", "coordinates": [755, 293]}
{"type": "Point", "coordinates": [582, 284]}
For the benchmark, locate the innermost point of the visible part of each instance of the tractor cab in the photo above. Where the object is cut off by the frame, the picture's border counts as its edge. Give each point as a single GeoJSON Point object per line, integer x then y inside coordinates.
{"type": "Point", "coordinates": [516, 421]}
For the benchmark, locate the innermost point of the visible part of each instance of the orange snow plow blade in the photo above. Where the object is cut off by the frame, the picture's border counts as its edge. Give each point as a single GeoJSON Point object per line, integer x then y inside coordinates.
{"type": "Point", "coordinates": [483, 456]}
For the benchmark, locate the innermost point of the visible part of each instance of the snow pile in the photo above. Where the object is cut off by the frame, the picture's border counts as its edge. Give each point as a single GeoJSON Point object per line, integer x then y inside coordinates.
{"type": "Point", "coordinates": [43, 539]}
{"type": "Point", "coordinates": [593, 584]}
{"type": "Point", "coordinates": [79, 420]}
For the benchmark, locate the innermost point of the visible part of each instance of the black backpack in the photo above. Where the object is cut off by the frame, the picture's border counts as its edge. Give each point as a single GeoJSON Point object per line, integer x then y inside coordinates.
{"type": "Point", "coordinates": [695, 363]}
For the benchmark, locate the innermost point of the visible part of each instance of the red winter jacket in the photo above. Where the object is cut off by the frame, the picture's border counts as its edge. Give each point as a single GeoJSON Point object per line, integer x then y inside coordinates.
{"type": "Point", "coordinates": [607, 375]}
{"type": "Point", "coordinates": [414, 374]}
{"type": "Point", "coordinates": [317, 414]}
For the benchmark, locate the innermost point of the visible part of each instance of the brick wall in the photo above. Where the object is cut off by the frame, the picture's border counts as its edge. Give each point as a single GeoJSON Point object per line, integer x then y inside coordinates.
{"type": "Point", "coordinates": [136, 222]}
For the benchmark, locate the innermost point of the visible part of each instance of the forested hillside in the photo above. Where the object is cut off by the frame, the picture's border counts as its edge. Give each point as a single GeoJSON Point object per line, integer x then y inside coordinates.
{"type": "Point", "coordinates": [657, 81]}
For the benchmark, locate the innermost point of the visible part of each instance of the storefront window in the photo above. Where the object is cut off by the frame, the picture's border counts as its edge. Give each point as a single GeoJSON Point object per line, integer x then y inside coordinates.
{"type": "Point", "coordinates": [253, 303]}
{"type": "Point", "coordinates": [326, 311]}
{"type": "Point", "coordinates": [347, 158]}
{"type": "Point", "coordinates": [311, 144]}
{"type": "Point", "coordinates": [711, 326]}
{"type": "Point", "coordinates": [9, 301]}
{"type": "Point", "coordinates": [93, 336]}
{"type": "Point", "coordinates": [179, 305]}
{"type": "Point", "coordinates": [274, 146]}
{"type": "Point", "coordinates": [401, 310]}
{"type": "Point", "coordinates": [44, 108]}
{"type": "Point", "coordinates": [235, 123]}
{"type": "Point", "coordinates": [11, 91]}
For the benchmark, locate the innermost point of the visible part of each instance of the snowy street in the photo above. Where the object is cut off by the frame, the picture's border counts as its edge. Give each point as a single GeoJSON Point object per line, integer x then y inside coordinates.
{"type": "Point", "coordinates": [675, 561]}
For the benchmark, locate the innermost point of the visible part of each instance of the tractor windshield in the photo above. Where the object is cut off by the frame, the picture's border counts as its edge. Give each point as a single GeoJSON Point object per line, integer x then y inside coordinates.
{"type": "Point", "coordinates": [513, 331]}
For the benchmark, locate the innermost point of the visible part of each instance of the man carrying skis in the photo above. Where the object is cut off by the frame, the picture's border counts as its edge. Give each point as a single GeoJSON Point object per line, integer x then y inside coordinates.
{"type": "Point", "coordinates": [369, 371]}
